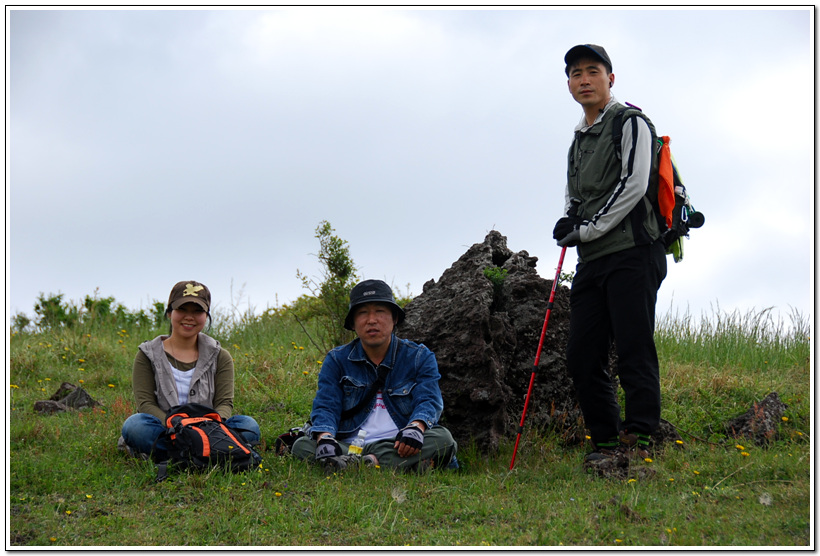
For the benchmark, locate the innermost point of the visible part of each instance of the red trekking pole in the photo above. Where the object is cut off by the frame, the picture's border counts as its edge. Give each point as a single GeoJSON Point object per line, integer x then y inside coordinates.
{"type": "Point", "coordinates": [538, 353]}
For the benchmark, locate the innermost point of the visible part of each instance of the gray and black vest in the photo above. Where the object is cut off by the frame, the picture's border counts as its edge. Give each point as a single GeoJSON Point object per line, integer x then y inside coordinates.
{"type": "Point", "coordinates": [594, 177]}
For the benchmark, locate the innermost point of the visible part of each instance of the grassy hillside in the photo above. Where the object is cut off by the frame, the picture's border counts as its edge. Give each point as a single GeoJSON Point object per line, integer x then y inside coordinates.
{"type": "Point", "coordinates": [68, 485]}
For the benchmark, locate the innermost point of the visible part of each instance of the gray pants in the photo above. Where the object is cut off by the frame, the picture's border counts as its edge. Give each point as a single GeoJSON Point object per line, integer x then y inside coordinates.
{"type": "Point", "coordinates": [439, 447]}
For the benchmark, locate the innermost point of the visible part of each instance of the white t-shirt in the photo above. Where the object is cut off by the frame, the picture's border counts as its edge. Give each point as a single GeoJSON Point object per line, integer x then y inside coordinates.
{"type": "Point", "coordinates": [183, 380]}
{"type": "Point", "coordinates": [379, 425]}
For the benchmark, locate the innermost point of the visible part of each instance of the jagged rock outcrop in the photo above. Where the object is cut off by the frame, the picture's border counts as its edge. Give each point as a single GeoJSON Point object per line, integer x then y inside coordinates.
{"type": "Point", "coordinates": [485, 338]}
{"type": "Point", "coordinates": [761, 422]}
{"type": "Point", "coordinates": [67, 397]}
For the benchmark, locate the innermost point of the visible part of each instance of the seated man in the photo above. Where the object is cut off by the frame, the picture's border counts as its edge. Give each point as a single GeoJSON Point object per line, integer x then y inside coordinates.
{"type": "Point", "coordinates": [380, 384]}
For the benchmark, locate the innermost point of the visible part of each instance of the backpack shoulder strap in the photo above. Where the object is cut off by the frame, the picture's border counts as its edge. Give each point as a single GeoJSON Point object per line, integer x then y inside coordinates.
{"type": "Point", "coordinates": [618, 125]}
{"type": "Point", "coordinates": [162, 471]}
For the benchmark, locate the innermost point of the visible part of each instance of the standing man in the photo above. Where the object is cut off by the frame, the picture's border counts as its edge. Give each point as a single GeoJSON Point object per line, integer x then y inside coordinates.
{"type": "Point", "coordinates": [383, 385]}
{"type": "Point", "coordinates": [621, 261]}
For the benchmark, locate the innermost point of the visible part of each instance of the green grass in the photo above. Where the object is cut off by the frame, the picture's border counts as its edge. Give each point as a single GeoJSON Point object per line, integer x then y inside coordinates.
{"type": "Point", "coordinates": [69, 486]}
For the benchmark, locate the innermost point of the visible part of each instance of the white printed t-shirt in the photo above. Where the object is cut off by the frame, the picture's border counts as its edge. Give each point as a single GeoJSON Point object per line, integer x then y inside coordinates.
{"type": "Point", "coordinates": [379, 425]}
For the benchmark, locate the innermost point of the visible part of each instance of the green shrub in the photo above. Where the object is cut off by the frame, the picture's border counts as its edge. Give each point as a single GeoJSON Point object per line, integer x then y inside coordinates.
{"type": "Point", "coordinates": [330, 291]}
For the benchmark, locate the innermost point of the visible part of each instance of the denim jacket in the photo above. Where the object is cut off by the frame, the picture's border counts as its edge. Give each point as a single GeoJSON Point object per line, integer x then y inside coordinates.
{"type": "Point", "coordinates": [411, 391]}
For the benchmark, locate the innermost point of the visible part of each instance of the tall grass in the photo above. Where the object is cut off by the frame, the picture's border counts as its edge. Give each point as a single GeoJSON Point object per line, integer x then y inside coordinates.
{"type": "Point", "coordinates": [68, 485]}
{"type": "Point", "coordinates": [752, 340]}
{"type": "Point", "coordinates": [716, 367]}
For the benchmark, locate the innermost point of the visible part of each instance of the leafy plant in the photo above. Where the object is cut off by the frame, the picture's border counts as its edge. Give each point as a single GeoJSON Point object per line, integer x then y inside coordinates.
{"type": "Point", "coordinates": [331, 291]}
{"type": "Point", "coordinates": [20, 322]}
{"type": "Point", "coordinates": [403, 297]}
{"type": "Point", "coordinates": [566, 277]}
{"type": "Point", "coordinates": [52, 312]}
{"type": "Point", "coordinates": [496, 275]}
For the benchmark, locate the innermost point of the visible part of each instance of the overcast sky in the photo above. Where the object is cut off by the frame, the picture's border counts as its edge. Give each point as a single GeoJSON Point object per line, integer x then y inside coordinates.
{"type": "Point", "coordinates": [147, 147]}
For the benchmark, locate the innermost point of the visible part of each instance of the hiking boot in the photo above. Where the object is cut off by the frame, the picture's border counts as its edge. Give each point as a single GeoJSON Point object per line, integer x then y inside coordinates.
{"type": "Point", "coordinates": [606, 462]}
{"type": "Point", "coordinates": [123, 447]}
{"type": "Point", "coordinates": [634, 444]}
{"type": "Point", "coordinates": [606, 455]}
{"type": "Point", "coordinates": [349, 461]}
{"type": "Point", "coordinates": [613, 455]}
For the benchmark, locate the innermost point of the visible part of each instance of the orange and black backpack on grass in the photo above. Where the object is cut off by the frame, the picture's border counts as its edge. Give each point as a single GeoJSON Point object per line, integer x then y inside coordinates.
{"type": "Point", "coordinates": [197, 438]}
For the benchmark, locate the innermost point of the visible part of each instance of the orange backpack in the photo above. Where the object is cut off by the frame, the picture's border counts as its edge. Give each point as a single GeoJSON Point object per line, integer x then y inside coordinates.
{"type": "Point", "coordinates": [671, 202]}
{"type": "Point", "coordinates": [197, 438]}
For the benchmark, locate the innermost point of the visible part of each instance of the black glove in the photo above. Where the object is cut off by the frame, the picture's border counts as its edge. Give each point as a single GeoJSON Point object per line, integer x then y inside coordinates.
{"type": "Point", "coordinates": [412, 437]}
{"type": "Point", "coordinates": [327, 447]}
{"type": "Point", "coordinates": [571, 239]}
{"type": "Point", "coordinates": [566, 225]}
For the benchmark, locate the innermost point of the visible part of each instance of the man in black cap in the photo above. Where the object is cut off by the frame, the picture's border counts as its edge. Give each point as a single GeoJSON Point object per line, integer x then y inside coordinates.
{"type": "Point", "coordinates": [621, 261]}
{"type": "Point", "coordinates": [380, 384]}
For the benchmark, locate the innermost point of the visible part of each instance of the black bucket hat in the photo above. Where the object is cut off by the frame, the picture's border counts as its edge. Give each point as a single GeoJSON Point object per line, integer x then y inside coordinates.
{"type": "Point", "coordinates": [587, 51]}
{"type": "Point", "coordinates": [372, 291]}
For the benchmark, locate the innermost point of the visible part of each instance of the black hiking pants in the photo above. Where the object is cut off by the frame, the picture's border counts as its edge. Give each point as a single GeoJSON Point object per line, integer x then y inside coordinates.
{"type": "Point", "coordinates": [613, 298]}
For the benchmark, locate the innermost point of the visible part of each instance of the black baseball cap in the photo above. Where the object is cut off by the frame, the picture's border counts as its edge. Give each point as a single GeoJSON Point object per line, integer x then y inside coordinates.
{"type": "Point", "coordinates": [587, 51]}
{"type": "Point", "coordinates": [372, 291]}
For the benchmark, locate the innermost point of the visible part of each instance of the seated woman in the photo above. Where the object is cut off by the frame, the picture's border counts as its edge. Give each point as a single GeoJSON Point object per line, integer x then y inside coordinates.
{"type": "Point", "coordinates": [186, 366]}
